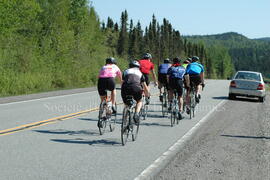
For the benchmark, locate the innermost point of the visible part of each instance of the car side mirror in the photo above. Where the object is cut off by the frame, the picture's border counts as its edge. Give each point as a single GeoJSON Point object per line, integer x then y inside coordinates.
{"type": "Point", "coordinates": [228, 78]}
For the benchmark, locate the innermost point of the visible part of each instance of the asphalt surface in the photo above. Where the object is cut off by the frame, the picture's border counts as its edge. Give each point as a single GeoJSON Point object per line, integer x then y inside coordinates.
{"type": "Point", "coordinates": [233, 144]}
{"type": "Point", "coordinates": [71, 148]}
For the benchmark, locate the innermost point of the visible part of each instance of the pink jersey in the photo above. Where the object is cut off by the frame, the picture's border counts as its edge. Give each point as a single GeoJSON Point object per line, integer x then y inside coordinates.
{"type": "Point", "coordinates": [110, 70]}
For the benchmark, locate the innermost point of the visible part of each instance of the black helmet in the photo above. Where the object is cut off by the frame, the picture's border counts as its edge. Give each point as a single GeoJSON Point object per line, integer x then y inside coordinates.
{"type": "Point", "coordinates": [195, 58]}
{"type": "Point", "coordinates": [111, 60]}
{"type": "Point", "coordinates": [176, 60]}
{"type": "Point", "coordinates": [134, 63]}
{"type": "Point", "coordinates": [166, 60]}
{"type": "Point", "coordinates": [188, 60]}
{"type": "Point", "coordinates": [147, 56]}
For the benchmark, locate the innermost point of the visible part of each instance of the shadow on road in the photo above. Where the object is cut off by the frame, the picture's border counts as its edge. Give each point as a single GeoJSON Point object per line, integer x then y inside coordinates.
{"type": "Point", "coordinates": [243, 99]}
{"type": "Point", "coordinates": [154, 124]}
{"type": "Point", "coordinates": [102, 142]}
{"type": "Point", "coordinates": [220, 97]}
{"type": "Point", "coordinates": [247, 137]}
{"type": "Point", "coordinates": [68, 132]}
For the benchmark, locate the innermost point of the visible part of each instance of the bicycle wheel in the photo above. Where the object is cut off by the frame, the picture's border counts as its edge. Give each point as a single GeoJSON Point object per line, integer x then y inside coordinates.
{"type": "Point", "coordinates": [144, 111]}
{"type": "Point", "coordinates": [173, 114]}
{"type": "Point", "coordinates": [102, 121]}
{"type": "Point", "coordinates": [135, 129]}
{"type": "Point", "coordinates": [113, 120]}
{"type": "Point", "coordinates": [192, 104]}
{"type": "Point", "coordinates": [164, 105]}
{"type": "Point", "coordinates": [124, 126]}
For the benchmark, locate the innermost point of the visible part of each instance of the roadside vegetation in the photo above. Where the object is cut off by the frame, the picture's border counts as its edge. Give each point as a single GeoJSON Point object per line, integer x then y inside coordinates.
{"type": "Point", "coordinates": [47, 45]}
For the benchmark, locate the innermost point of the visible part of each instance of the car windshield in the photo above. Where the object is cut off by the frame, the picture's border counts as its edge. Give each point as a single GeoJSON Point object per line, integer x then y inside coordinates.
{"type": "Point", "coordinates": [248, 76]}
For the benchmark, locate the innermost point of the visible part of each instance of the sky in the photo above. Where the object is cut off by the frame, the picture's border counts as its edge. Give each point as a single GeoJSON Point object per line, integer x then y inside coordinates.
{"type": "Point", "coordinates": [194, 17]}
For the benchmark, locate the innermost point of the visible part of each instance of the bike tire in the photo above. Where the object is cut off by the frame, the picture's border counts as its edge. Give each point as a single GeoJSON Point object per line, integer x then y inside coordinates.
{"type": "Point", "coordinates": [192, 105]}
{"type": "Point", "coordinates": [124, 126]}
{"type": "Point", "coordinates": [164, 105]}
{"type": "Point", "coordinates": [135, 130]}
{"type": "Point", "coordinates": [173, 115]}
{"type": "Point", "coordinates": [102, 123]}
{"type": "Point", "coordinates": [113, 120]}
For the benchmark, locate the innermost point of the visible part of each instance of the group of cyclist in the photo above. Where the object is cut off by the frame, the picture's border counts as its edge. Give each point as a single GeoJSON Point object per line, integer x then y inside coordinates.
{"type": "Point", "coordinates": [135, 80]}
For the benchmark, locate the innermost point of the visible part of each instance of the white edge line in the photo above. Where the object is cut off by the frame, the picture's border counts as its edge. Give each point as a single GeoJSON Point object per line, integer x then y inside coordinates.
{"type": "Point", "coordinates": [52, 97]}
{"type": "Point", "coordinates": [151, 171]}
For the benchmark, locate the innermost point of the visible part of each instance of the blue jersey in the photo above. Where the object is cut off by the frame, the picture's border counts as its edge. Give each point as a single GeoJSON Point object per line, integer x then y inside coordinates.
{"type": "Point", "coordinates": [163, 68]}
{"type": "Point", "coordinates": [177, 72]}
{"type": "Point", "coordinates": [194, 68]}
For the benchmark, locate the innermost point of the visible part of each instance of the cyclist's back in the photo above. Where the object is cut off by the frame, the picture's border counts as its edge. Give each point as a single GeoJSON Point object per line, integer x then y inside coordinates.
{"type": "Point", "coordinates": [133, 85]}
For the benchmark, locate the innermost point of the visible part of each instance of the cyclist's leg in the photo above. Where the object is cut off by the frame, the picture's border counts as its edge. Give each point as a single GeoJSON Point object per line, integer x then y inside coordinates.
{"type": "Point", "coordinates": [102, 89]}
{"type": "Point", "coordinates": [147, 81]}
{"type": "Point", "coordinates": [171, 92]}
{"type": "Point", "coordinates": [111, 87]}
{"type": "Point", "coordinates": [179, 89]}
{"type": "Point", "coordinates": [137, 95]}
{"type": "Point", "coordinates": [113, 96]}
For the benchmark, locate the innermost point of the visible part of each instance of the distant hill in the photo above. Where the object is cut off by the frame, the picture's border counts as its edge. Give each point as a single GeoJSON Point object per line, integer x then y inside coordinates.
{"type": "Point", "coordinates": [246, 54]}
{"type": "Point", "coordinates": [267, 39]}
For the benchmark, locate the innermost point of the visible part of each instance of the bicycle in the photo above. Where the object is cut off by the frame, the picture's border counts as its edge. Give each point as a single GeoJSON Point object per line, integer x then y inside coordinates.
{"type": "Point", "coordinates": [164, 102]}
{"type": "Point", "coordinates": [106, 116]}
{"type": "Point", "coordinates": [144, 109]}
{"type": "Point", "coordinates": [174, 110]}
{"type": "Point", "coordinates": [128, 126]}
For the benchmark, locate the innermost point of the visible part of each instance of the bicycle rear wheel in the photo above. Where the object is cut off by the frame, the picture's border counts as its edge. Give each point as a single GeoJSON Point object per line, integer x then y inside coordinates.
{"type": "Point", "coordinates": [164, 105]}
{"type": "Point", "coordinates": [135, 130]}
{"type": "Point", "coordinates": [124, 126]}
{"type": "Point", "coordinates": [173, 115]}
{"type": "Point", "coordinates": [192, 104]}
{"type": "Point", "coordinates": [113, 120]}
{"type": "Point", "coordinates": [144, 111]}
{"type": "Point", "coordinates": [102, 121]}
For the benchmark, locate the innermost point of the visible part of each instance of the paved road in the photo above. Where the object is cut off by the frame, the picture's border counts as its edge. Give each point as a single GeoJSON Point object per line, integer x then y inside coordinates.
{"type": "Point", "coordinates": [34, 147]}
{"type": "Point", "coordinates": [233, 144]}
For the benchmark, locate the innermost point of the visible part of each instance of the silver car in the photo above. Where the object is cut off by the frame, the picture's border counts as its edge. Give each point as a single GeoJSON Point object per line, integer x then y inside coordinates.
{"type": "Point", "coordinates": [249, 84]}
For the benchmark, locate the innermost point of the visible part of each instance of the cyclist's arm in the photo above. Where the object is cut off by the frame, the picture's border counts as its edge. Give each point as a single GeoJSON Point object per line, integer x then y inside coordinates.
{"type": "Point", "coordinates": [154, 76]}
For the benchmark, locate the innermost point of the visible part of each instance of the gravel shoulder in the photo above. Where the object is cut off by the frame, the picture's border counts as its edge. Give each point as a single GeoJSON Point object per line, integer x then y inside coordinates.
{"type": "Point", "coordinates": [233, 144]}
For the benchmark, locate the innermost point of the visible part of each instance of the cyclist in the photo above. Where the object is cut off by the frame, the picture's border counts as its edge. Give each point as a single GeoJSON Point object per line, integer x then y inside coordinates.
{"type": "Point", "coordinates": [195, 70]}
{"type": "Point", "coordinates": [186, 62]}
{"type": "Point", "coordinates": [176, 76]}
{"type": "Point", "coordinates": [162, 76]}
{"type": "Point", "coordinates": [146, 66]}
{"type": "Point", "coordinates": [106, 80]}
{"type": "Point", "coordinates": [134, 84]}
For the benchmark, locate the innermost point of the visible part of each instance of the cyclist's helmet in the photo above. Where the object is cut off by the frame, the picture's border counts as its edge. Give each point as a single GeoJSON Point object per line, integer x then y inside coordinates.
{"type": "Point", "coordinates": [111, 60]}
{"type": "Point", "coordinates": [195, 58]}
{"type": "Point", "coordinates": [147, 56]}
{"type": "Point", "coordinates": [176, 60]}
{"type": "Point", "coordinates": [167, 61]}
{"type": "Point", "coordinates": [188, 60]}
{"type": "Point", "coordinates": [134, 63]}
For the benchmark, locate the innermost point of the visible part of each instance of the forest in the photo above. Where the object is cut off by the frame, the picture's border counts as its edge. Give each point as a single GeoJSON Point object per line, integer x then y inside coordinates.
{"type": "Point", "coordinates": [246, 54]}
{"type": "Point", "coordinates": [50, 45]}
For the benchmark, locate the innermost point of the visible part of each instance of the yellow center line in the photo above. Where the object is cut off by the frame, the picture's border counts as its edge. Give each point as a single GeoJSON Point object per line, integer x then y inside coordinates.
{"type": "Point", "coordinates": [49, 121]}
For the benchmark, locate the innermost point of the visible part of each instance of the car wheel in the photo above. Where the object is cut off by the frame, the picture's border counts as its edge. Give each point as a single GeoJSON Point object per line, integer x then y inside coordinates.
{"type": "Point", "coordinates": [261, 99]}
{"type": "Point", "coordinates": [232, 96]}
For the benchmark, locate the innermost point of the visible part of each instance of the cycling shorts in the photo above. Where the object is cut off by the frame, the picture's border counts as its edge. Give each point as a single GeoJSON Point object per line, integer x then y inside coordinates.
{"type": "Point", "coordinates": [105, 84]}
{"type": "Point", "coordinates": [136, 93]}
{"type": "Point", "coordinates": [195, 79]}
{"type": "Point", "coordinates": [162, 79]}
{"type": "Point", "coordinates": [176, 84]}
